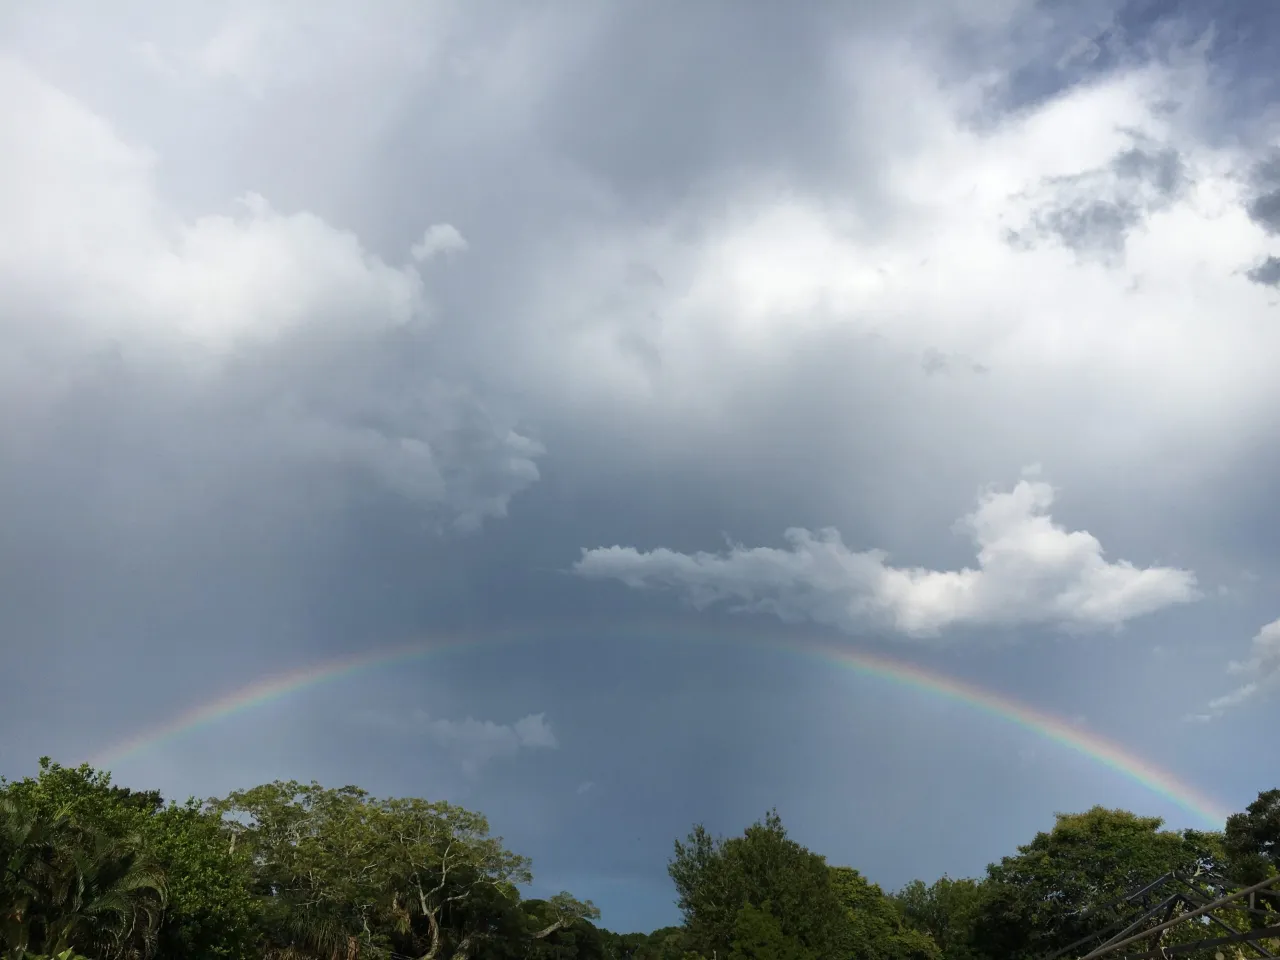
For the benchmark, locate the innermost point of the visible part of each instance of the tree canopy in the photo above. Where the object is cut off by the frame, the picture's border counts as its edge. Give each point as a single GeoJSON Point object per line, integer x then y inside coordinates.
{"type": "Point", "coordinates": [95, 871]}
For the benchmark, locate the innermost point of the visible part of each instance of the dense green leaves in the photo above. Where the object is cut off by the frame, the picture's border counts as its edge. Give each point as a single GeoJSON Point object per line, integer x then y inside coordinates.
{"type": "Point", "coordinates": [339, 871]}
{"type": "Point", "coordinates": [1040, 899]}
{"type": "Point", "coordinates": [758, 935]}
{"type": "Point", "coordinates": [1252, 838]}
{"type": "Point", "coordinates": [764, 895]}
{"type": "Point", "coordinates": [947, 912]}
{"type": "Point", "coordinates": [210, 912]}
{"type": "Point", "coordinates": [716, 878]}
{"type": "Point", "coordinates": [68, 885]}
{"type": "Point", "coordinates": [92, 871]}
{"type": "Point", "coordinates": [876, 927]}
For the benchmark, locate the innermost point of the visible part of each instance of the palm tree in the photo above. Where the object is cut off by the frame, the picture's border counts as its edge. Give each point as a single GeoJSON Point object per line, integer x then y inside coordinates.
{"type": "Point", "coordinates": [68, 886]}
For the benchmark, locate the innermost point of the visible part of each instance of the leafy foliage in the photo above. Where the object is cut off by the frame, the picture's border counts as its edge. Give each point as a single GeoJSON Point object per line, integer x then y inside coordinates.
{"type": "Point", "coordinates": [93, 871]}
{"type": "Point", "coordinates": [210, 912]}
{"type": "Point", "coordinates": [1252, 840]}
{"type": "Point", "coordinates": [716, 878]}
{"type": "Point", "coordinates": [67, 885]}
{"type": "Point", "coordinates": [947, 912]}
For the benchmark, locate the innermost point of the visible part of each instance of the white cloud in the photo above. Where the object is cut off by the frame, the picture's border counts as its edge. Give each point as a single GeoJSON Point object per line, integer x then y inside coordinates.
{"type": "Point", "coordinates": [439, 238]}
{"type": "Point", "coordinates": [585, 787]}
{"type": "Point", "coordinates": [1262, 670]}
{"type": "Point", "coordinates": [782, 279]}
{"type": "Point", "coordinates": [1030, 570]}
{"type": "Point", "coordinates": [88, 239]}
{"type": "Point", "coordinates": [265, 338]}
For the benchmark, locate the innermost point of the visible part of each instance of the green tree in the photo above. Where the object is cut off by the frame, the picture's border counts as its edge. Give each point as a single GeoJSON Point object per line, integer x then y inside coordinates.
{"type": "Point", "coordinates": [947, 910]}
{"type": "Point", "coordinates": [320, 861]}
{"type": "Point", "coordinates": [715, 878]}
{"type": "Point", "coordinates": [877, 930]}
{"type": "Point", "coordinates": [211, 912]}
{"type": "Point", "coordinates": [1252, 848]}
{"type": "Point", "coordinates": [67, 886]}
{"type": "Point", "coordinates": [758, 935]}
{"type": "Point", "coordinates": [1041, 898]}
{"type": "Point", "coordinates": [665, 943]}
{"type": "Point", "coordinates": [341, 872]}
{"type": "Point", "coordinates": [1252, 839]}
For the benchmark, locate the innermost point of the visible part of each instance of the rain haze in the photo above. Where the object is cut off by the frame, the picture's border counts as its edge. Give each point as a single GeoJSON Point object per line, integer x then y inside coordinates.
{"type": "Point", "coordinates": [627, 356]}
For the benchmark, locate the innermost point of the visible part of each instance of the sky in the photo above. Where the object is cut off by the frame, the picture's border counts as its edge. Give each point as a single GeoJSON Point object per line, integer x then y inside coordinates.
{"type": "Point", "coordinates": [624, 353]}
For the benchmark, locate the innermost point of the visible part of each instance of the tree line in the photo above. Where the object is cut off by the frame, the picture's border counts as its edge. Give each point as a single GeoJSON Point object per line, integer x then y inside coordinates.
{"type": "Point", "coordinates": [292, 871]}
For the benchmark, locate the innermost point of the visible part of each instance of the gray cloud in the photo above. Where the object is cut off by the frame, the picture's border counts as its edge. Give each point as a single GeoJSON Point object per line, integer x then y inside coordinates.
{"type": "Point", "coordinates": [473, 743]}
{"type": "Point", "coordinates": [1030, 570]}
{"type": "Point", "coordinates": [440, 239]}
{"type": "Point", "coordinates": [1265, 211]}
{"type": "Point", "coordinates": [1267, 273]}
{"type": "Point", "coordinates": [1264, 206]}
{"type": "Point", "coordinates": [1093, 212]}
{"type": "Point", "coordinates": [934, 362]}
{"type": "Point", "coordinates": [229, 348]}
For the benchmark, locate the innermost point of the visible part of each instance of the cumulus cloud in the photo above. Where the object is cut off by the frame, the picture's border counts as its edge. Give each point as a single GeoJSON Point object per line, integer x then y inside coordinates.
{"type": "Point", "coordinates": [440, 238]}
{"type": "Point", "coordinates": [1030, 570]}
{"type": "Point", "coordinates": [1260, 673]}
{"type": "Point", "coordinates": [253, 342]}
{"type": "Point", "coordinates": [473, 743]}
{"type": "Point", "coordinates": [787, 305]}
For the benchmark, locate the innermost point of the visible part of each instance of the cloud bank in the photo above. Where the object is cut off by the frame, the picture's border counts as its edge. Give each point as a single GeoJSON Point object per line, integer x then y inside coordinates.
{"type": "Point", "coordinates": [238, 349]}
{"type": "Point", "coordinates": [1030, 570]}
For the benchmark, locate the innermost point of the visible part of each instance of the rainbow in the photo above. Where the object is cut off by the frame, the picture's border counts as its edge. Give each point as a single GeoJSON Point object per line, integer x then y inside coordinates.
{"type": "Point", "coordinates": [900, 672]}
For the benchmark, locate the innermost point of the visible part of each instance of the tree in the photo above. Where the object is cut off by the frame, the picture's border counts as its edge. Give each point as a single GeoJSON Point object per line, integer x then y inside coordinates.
{"type": "Point", "coordinates": [68, 886]}
{"type": "Point", "coordinates": [1252, 847]}
{"type": "Point", "coordinates": [1040, 899]}
{"type": "Point", "coordinates": [1252, 838]}
{"type": "Point", "coordinates": [545, 935]}
{"type": "Point", "coordinates": [877, 930]}
{"type": "Point", "coordinates": [210, 912]}
{"type": "Point", "coordinates": [665, 943]}
{"type": "Point", "coordinates": [319, 858]}
{"type": "Point", "coordinates": [715, 878]}
{"type": "Point", "coordinates": [341, 872]}
{"type": "Point", "coordinates": [947, 910]}
{"type": "Point", "coordinates": [758, 935]}
{"type": "Point", "coordinates": [442, 861]}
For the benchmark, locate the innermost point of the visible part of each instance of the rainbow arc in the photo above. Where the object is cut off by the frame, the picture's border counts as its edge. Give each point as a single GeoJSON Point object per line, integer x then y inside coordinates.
{"type": "Point", "coordinates": [892, 670]}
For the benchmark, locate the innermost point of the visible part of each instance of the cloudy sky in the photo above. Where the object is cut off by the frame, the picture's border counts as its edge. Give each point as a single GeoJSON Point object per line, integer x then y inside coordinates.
{"type": "Point", "coordinates": [624, 349]}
